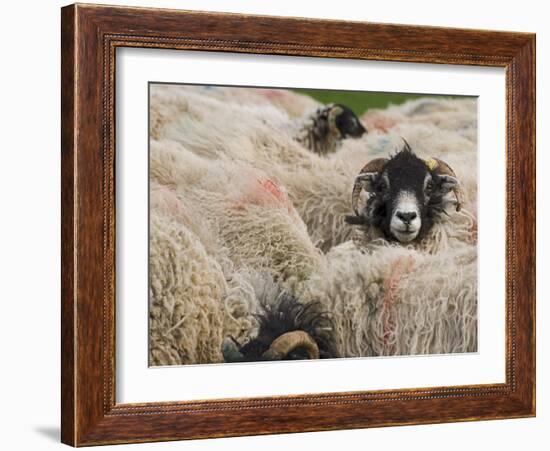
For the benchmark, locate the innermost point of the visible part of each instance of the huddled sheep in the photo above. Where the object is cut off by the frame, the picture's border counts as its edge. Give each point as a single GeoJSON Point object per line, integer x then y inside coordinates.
{"type": "Point", "coordinates": [237, 200]}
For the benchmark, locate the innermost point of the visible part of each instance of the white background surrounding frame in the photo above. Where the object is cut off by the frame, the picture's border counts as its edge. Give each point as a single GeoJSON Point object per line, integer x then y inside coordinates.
{"type": "Point", "coordinates": [30, 234]}
{"type": "Point", "coordinates": [138, 383]}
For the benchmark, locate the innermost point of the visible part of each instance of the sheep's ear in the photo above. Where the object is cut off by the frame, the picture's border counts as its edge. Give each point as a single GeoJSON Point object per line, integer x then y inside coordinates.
{"type": "Point", "coordinates": [447, 183]}
{"type": "Point", "coordinates": [366, 180]}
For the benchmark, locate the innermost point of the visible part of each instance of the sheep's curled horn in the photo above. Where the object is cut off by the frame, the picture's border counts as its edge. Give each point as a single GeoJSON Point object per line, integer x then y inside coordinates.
{"type": "Point", "coordinates": [286, 343]}
{"type": "Point", "coordinates": [436, 165]}
{"type": "Point", "coordinates": [441, 168]}
{"type": "Point", "coordinates": [375, 165]}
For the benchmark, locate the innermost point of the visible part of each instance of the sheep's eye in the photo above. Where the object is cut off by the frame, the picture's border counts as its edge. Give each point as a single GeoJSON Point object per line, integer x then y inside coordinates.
{"type": "Point", "coordinates": [382, 185]}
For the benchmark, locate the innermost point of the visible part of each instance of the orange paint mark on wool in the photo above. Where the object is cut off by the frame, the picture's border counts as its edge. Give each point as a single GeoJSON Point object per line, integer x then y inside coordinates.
{"type": "Point", "coordinates": [402, 266]}
{"type": "Point", "coordinates": [272, 188]}
{"type": "Point", "coordinates": [266, 192]}
{"type": "Point", "coordinates": [473, 232]}
{"type": "Point", "coordinates": [172, 202]}
{"type": "Point", "coordinates": [378, 122]}
{"type": "Point", "coordinates": [272, 93]}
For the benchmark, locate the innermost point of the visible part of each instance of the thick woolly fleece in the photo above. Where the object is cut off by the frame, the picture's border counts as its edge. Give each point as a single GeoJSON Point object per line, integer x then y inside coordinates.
{"type": "Point", "coordinates": [393, 300]}
{"type": "Point", "coordinates": [233, 195]}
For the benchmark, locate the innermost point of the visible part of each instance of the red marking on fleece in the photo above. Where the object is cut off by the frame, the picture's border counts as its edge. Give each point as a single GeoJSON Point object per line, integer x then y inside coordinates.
{"type": "Point", "coordinates": [172, 202]}
{"type": "Point", "coordinates": [272, 188]}
{"type": "Point", "coordinates": [402, 266]}
{"type": "Point", "coordinates": [377, 122]}
{"type": "Point", "coordinates": [272, 93]}
{"type": "Point", "coordinates": [266, 193]}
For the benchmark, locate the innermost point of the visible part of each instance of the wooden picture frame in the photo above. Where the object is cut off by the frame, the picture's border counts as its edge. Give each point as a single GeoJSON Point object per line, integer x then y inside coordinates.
{"type": "Point", "coordinates": [90, 36]}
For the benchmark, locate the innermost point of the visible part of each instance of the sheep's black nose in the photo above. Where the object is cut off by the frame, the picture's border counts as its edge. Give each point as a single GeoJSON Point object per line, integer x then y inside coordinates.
{"type": "Point", "coordinates": [406, 217]}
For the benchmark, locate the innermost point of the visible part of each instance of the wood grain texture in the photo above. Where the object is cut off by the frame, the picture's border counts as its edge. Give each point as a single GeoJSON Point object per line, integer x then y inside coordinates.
{"type": "Point", "coordinates": [68, 147]}
{"type": "Point", "coordinates": [90, 35]}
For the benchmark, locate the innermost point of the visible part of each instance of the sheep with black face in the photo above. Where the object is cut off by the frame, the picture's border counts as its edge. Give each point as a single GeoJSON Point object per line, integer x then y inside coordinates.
{"type": "Point", "coordinates": [406, 194]}
{"type": "Point", "coordinates": [323, 130]}
{"type": "Point", "coordinates": [288, 330]}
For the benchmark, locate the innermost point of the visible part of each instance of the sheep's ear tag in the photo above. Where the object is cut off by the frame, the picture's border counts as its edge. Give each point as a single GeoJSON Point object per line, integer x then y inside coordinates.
{"type": "Point", "coordinates": [431, 163]}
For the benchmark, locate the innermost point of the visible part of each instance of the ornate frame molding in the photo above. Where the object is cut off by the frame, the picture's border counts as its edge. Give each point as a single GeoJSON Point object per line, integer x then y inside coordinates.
{"type": "Point", "coordinates": [90, 37]}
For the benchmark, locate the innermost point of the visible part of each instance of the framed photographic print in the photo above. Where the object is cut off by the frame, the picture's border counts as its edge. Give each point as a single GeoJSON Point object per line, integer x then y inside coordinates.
{"type": "Point", "coordinates": [279, 225]}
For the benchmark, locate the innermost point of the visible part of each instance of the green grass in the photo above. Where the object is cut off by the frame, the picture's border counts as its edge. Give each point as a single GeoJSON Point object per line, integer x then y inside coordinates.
{"type": "Point", "coordinates": [361, 101]}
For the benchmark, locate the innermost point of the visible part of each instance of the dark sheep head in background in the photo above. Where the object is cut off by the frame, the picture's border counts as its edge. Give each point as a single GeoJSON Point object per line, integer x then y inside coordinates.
{"type": "Point", "coordinates": [288, 330]}
{"type": "Point", "coordinates": [347, 123]}
{"type": "Point", "coordinates": [324, 129]}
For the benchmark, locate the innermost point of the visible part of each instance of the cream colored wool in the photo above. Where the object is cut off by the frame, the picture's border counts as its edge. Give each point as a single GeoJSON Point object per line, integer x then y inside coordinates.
{"type": "Point", "coordinates": [196, 296]}
{"type": "Point", "coordinates": [164, 200]}
{"type": "Point", "coordinates": [232, 194]}
{"type": "Point", "coordinates": [186, 288]}
{"type": "Point", "coordinates": [174, 109]}
{"type": "Point", "coordinates": [318, 187]}
{"type": "Point", "coordinates": [263, 238]}
{"type": "Point", "coordinates": [394, 300]}
{"type": "Point", "coordinates": [456, 115]}
{"type": "Point", "coordinates": [249, 215]}
{"type": "Point", "coordinates": [190, 299]}
{"type": "Point", "coordinates": [292, 103]}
